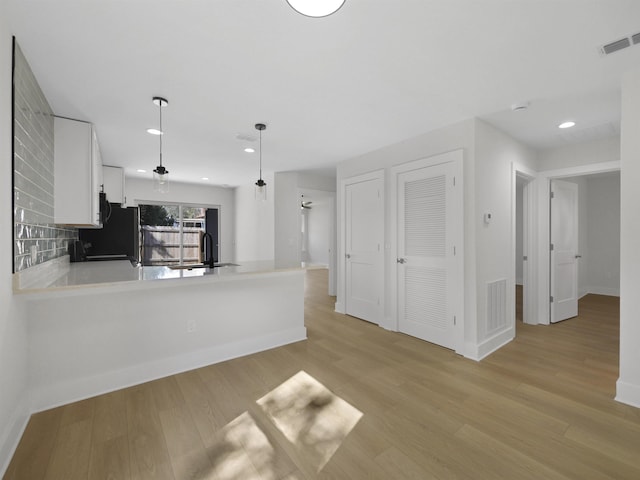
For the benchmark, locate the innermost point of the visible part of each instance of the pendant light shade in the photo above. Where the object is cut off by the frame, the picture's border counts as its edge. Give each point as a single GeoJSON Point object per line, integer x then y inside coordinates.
{"type": "Point", "coordinates": [160, 174]}
{"type": "Point", "coordinates": [316, 8]}
{"type": "Point", "coordinates": [261, 185]}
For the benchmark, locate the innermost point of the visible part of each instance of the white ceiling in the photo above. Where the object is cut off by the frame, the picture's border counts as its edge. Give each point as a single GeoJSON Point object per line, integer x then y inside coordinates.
{"type": "Point", "coordinates": [375, 73]}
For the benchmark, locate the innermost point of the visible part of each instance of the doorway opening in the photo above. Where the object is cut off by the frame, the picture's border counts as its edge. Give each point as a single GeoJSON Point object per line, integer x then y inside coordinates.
{"type": "Point", "coordinates": [317, 224]}
{"type": "Point", "coordinates": [595, 259]}
{"type": "Point", "coordinates": [521, 182]}
{"type": "Point", "coordinates": [524, 235]}
{"type": "Point", "coordinates": [543, 226]}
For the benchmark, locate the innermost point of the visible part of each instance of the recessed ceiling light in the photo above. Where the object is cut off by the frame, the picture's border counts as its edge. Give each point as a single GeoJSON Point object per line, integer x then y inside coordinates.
{"type": "Point", "coordinates": [567, 125]}
{"type": "Point", "coordinates": [205, 178]}
{"type": "Point", "coordinates": [249, 150]}
{"type": "Point", "coordinates": [154, 131]}
{"type": "Point", "coordinates": [141, 170]}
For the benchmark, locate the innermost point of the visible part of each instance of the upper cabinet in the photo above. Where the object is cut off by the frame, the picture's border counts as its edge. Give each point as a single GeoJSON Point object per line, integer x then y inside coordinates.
{"type": "Point", "coordinates": [113, 181]}
{"type": "Point", "coordinates": [77, 174]}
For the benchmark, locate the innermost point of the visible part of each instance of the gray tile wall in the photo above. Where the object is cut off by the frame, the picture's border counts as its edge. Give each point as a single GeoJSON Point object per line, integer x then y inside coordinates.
{"type": "Point", "coordinates": [33, 174]}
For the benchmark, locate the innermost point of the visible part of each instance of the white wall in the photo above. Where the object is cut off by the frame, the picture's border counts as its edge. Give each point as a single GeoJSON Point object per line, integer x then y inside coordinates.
{"type": "Point", "coordinates": [287, 220]}
{"type": "Point", "coordinates": [14, 404]}
{"type": "Point", "coordinates": [107, 338]}
{"type": "Point", "coordinates": [597, 151]}
{"type": "Point", "coordinates": [254, 223]}
{"type": "Point", "coordinates": [496, 154]}
{"type": "Point", "coordinates": [603, 237]}
{"type": "Point", "coordinates": [315, 181]}
{"type": "Point", "coordinates": [139, 190]}
{"type": "Point", "coordinates": [628, 386]}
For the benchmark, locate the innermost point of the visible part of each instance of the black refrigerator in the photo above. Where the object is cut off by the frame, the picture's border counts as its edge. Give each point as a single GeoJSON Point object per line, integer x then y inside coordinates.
{"type": "Point", "coordinates": [119, 237]}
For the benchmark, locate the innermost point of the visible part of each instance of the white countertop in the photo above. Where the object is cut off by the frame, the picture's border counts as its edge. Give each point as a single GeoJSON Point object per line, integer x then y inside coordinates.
{"type": "Point", "coordinates": [62, 276]}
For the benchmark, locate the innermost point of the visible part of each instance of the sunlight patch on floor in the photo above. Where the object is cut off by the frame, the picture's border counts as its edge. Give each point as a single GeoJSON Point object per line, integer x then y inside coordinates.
{"type": "Point", "coordinates": [310, 416]}
{"type": "Point", "coordinates": [243, 452]}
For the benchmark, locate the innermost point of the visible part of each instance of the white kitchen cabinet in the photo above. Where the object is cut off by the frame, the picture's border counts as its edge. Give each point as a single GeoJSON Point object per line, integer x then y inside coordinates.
{"type": "Point", "coordinates": [113, 181]}
{"type": "Point", "coordinates": [77, 174]}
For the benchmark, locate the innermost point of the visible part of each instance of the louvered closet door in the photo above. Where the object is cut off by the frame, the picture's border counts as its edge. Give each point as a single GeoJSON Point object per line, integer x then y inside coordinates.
{"type": "Point", "coordinates": [426, 254]}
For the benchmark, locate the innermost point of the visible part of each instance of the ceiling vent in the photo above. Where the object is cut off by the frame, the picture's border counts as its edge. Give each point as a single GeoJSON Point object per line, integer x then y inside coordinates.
{"type": "Point", "coordinates": [620, 44]}
{"type": "Point", "coordinates": [246, 138]}
{"type": "Point", "coordinates": [615, 46]}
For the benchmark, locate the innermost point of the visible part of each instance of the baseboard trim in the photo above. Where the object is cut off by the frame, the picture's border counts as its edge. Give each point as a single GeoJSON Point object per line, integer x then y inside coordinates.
{"type": "Point", "coordinates": [611, 292]}
{"type": "Point", "coordinates": [12, 435]}
{"type": "Point", "coordinates": [479, 351]}
{"type": "Point", "coordinates": [390, 324]}
{"type": "Point", "coordinates": [628, 393]}
{"type": "Point", "coordinates": [50, 396]}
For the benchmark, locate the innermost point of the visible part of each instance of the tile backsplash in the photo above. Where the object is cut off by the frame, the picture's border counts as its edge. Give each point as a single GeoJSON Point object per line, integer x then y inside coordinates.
{"type": "Point", "coordinates": [36, 238]}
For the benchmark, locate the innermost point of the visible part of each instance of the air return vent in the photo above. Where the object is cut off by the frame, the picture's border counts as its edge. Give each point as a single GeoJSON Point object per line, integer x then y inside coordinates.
{"type": "Point", "coordinates": [496, 306]}
{"type": "Point", "coordinates": [615, 46]}
{"type": "Point", "coordinates": [620, 44]}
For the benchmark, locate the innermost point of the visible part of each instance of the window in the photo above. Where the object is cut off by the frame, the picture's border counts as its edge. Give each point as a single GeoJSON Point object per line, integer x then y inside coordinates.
{"type": "Point", "coordinates": [172, 233]}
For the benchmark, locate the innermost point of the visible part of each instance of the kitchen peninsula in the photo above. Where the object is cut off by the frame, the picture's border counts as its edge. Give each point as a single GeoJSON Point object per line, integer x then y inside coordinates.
{"type": "Point", "coordinates": [101, 326]}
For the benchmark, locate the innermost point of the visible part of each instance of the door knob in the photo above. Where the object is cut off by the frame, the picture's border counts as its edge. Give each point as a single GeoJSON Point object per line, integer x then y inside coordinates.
{"type": "Point", "coordinates": [348, 255]}
{"type": "Point", "coordinates": [578, 256]}
{"type": "Point", "coordinates": [401, 260]}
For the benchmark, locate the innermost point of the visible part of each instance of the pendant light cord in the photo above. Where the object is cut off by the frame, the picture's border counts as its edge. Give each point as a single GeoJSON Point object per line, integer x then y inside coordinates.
{"type": "Point", "coordinates": [161, 133]}
{"type": "Point", "coordinates": [260, 126]}
{"type": "Point", "coordinates": [260, 154]}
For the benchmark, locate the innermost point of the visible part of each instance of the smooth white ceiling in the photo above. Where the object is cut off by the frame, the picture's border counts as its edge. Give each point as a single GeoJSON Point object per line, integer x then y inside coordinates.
{"type": "Point", "coordinates": [375, 73]}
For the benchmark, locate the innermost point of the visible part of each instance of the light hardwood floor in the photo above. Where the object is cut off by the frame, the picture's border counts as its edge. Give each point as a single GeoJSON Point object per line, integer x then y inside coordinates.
{"type": "Point", "coordinates": [540, 408]}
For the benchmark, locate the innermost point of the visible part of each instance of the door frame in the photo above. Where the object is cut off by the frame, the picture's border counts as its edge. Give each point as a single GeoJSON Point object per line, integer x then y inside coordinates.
{"type": "Point", "coordinates": [529, 242]}
{"type": "Point", "coordinates": [543, 239]}
{"type": "Point", "coordinates": [457, 157]}
{"type": "Point", "coordinates": [341, 260]}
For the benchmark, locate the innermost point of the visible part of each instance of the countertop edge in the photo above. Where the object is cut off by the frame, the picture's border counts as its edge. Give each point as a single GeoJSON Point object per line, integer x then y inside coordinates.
{"type": "Point", "coordinates": [129, 285]}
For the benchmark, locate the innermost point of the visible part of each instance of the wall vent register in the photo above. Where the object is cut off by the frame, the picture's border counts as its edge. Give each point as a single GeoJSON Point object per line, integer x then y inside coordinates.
{"type": "Point", "coordinates": [620, 44]}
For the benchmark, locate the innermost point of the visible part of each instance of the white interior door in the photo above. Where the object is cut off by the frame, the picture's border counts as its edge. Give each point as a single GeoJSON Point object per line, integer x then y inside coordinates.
{"type": "Point", "coordinates": [564, 250]}
{"type": "Point", "coordinates": [525, 254]}
{"type": "Point", "coordinates": [427, 253]}
{"type": "Point", "coordinates": [364, 256]}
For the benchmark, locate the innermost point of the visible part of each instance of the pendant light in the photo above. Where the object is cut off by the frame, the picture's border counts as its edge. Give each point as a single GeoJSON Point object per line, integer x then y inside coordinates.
{"type": "Point", "coordinates": [261, 185]}
{"type": "Point", "coordinates": [316, 8]}
{"type": "Point", "coordinates": [160, 174]}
